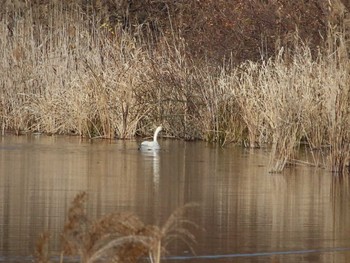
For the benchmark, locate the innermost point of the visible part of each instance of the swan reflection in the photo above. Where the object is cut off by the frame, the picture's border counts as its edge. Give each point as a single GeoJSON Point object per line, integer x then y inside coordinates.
{"type": "Point", "coordinates": [153, 163]}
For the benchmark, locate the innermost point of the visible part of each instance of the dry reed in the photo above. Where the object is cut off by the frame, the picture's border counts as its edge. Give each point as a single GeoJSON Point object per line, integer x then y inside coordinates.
{"type": "Point", "coordinates": [338, 105]}
{"type": "Point", "coordinates": [64, 76]}
{"type": "Point", "coordinates": [75, 72]}
{"type": "Point", "coordinates": [42, 249]}
{"type": "Point", "coordinates": [116, 237]}
{"type": "Point", "coordinates": [295, 99]}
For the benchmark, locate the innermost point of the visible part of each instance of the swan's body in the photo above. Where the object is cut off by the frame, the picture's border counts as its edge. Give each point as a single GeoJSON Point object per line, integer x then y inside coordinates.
{"type": "Point", "coordinates": [152, 145]}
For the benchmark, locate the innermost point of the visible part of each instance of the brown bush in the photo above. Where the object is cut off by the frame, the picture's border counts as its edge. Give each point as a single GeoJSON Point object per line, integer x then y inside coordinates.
{"type": "Point", "coordinates": [212, 29]}
{"type": "Point", "coordinates": [242, 29]}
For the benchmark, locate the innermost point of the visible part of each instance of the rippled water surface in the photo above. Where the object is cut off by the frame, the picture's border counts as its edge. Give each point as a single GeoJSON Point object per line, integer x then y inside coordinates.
{"type": "Point", "coordinates": [247, 214]}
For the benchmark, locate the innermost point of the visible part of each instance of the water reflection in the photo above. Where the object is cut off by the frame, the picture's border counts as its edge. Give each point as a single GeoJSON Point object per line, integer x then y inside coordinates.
{"type": "Point", "coordinates": [244, 209]}
{"type": "Point", "coordinates": [152, 161]}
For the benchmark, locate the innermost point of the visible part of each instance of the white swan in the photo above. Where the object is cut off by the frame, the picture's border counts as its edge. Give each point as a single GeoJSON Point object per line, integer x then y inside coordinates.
{"type": "Point", "coordinates": [152, 145]}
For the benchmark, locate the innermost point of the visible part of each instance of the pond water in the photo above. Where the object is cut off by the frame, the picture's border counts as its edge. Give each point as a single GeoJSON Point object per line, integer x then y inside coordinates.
{"type": "Point", "coordinates": [246, 214]}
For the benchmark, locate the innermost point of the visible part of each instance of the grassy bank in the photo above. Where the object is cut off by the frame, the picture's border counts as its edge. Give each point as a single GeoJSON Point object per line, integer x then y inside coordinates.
{"type": "Point", "coordinates": [73, 72]}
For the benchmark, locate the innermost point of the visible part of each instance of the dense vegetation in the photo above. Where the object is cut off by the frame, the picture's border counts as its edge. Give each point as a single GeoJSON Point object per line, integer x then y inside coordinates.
{"type": "Point", "coordinates": [258, 72]}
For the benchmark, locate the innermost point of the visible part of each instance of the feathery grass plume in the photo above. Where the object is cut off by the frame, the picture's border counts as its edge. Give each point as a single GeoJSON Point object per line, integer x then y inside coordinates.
{"type": "Point", "coordinates": [122, 237]}
{"type": "Point", "coordinates": [116, 235]}
{"type": "Point", "coordinates": [42, 254]}
{"type": "Point", "coordinates": [178, 226]}
{"type": "Point", "coordinates": [75, 231]}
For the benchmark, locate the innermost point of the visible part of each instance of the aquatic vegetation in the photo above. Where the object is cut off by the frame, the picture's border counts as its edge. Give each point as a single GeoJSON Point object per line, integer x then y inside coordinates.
{"type": "Point", "coordinates": [116, 237]}
{"type": "Point", "coordinates": [83, 73]}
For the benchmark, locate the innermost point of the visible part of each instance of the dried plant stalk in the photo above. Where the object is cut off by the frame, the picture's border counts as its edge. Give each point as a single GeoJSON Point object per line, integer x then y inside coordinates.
{"type": "Point", "coordinates": [116, 237]}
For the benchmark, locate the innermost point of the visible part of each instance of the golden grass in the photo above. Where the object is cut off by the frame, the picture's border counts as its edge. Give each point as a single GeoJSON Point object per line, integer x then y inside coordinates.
{"type": "Point", "coordinates": [66, 77]}
{"type": "Point", "coordinates": [75, 73]}
{"type": "Point", "coordinates": [116, 237]}
{"type": "Point", "coordinates": [295, 99]}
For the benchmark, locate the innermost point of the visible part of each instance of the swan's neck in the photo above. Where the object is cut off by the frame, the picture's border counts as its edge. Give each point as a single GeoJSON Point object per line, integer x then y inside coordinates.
{"type": "Point", "coordinates": [156, 135]}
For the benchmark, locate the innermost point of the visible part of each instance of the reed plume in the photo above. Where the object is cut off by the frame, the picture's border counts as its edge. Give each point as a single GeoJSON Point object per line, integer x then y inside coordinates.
{"type": "Point", "coordinates": [42, 254]}
{"type": "Point", "coordinates": [116, 237]}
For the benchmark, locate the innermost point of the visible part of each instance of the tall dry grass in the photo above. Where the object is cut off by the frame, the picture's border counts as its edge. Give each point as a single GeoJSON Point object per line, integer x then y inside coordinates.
{"type": "Point", "coordinates": [279, 103]}
{"type": "Point", "coordinates": [297, 99]}
{"type": "Point", "coordinates": [338, 103]}
{"type": "Point", "coordinates": [116, 237]}
{"type": "Point", "coordinates": [64, 75]}
{"type": "Point", "coordinates": [75, 72]}
{"type": "Point", "coordinates": [194, 101]}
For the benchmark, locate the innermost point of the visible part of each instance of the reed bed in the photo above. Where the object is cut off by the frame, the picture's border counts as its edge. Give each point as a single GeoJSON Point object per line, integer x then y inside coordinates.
{"type": "Point", "coordinates": [115, 237]}
{"type": "Point", "coordinates": [67, 77]}
{"type": "Point", "coordinates": [337, 107]}
{"type": "Point", "coordinates": [302, 101]}
{"type": "Point", "coordinates": [75, 72]}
